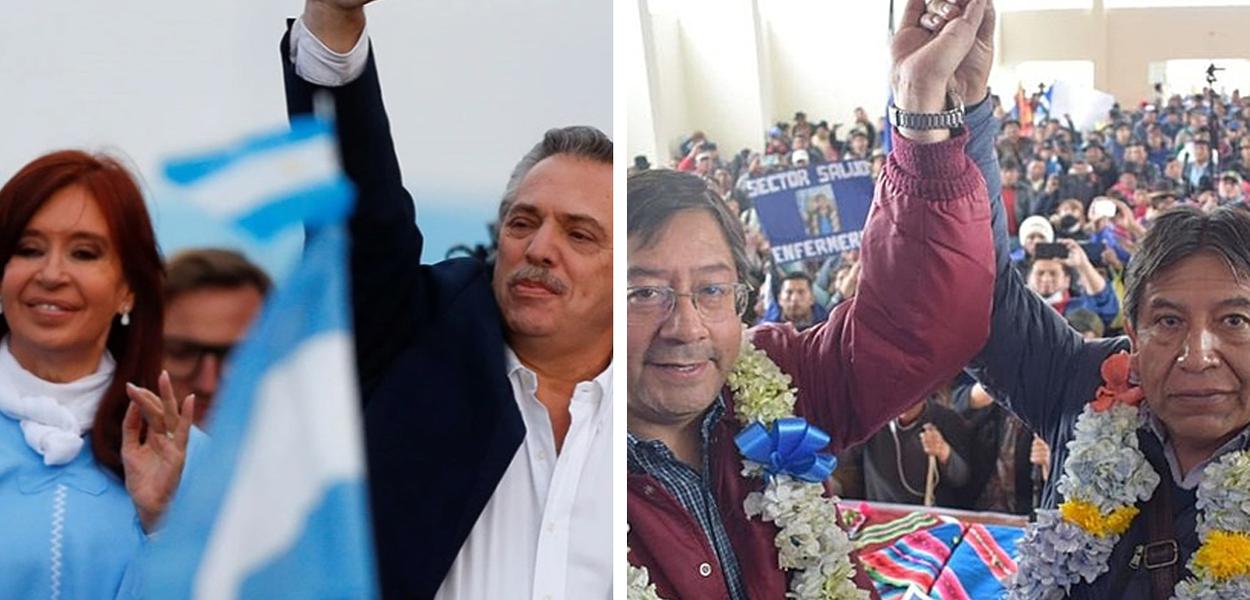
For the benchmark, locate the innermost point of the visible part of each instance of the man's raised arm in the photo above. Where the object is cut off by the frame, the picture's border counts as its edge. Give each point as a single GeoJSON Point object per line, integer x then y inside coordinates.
{"type": "Point", "coordinates": [328, 50]}
{"type": "Point", "coordinates": [922, 309]}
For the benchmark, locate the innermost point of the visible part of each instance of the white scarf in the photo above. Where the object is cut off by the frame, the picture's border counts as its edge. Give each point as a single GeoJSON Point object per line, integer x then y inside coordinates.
{"type": "Point", "coordinates": [54, 416]}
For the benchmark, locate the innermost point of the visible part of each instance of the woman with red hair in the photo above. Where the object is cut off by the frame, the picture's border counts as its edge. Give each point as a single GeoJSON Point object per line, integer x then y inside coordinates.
{"type": "Point", "coordinates": [89, 457]}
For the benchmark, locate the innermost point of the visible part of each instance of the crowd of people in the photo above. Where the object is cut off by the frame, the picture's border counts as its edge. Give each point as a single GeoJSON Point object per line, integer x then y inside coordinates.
{"type": "Point", "coordinates": [1077, 205]}
{"type": "Point", "coordinates": [1104, 396]}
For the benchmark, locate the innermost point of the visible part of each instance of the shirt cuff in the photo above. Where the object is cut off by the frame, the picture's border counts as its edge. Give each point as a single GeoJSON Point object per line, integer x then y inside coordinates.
{"type": "Point", "coordinates": [319, 65]}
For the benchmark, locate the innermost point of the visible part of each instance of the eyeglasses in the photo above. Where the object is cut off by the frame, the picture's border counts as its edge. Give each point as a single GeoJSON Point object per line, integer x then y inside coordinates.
{"type": "Point", "coordinates": [714, 302]}
{"type": "Point", "coordinates": [183, 358]}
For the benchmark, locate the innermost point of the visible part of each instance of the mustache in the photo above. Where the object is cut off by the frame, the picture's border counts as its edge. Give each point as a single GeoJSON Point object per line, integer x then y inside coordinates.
{"type": "Point", "coordinates": [539, 275]}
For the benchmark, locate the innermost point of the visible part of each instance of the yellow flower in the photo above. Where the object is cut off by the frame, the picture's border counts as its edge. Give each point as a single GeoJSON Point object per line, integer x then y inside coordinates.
{"type": "Point", "coordinates": [1225, 555]}
{"type": "Point", "coordinates": [1087, 516]}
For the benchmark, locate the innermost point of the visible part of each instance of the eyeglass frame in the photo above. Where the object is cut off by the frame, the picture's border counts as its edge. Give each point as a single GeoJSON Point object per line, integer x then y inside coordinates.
{"type": "Point", "coordinates": [220, 351]}
{"type": "Point", "coordinates": [741, 292]}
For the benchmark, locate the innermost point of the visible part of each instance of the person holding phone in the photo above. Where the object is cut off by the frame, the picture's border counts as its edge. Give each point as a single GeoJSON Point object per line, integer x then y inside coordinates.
{"type": "Point", "coordinates": [1049, 274]}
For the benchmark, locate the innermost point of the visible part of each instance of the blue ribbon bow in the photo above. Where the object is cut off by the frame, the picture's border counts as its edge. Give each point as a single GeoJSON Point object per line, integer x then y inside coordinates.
{"type": "Point", "coordinates": [788, 447]}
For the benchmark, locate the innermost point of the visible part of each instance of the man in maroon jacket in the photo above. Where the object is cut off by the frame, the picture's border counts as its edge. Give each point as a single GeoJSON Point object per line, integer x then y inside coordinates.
{"type": "Point", "coordinates": [921, 313]}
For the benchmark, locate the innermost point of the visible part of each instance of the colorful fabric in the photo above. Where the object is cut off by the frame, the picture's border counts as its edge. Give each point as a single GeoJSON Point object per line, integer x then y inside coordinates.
{"type": "Point", "coordinates": [981, 566]}
{"type": "Point", "coordinates": [945, 558]}
{"type": "Point", "coordinates": [892, 530]}
{"type": "Point", "coordinates": [914, 559]}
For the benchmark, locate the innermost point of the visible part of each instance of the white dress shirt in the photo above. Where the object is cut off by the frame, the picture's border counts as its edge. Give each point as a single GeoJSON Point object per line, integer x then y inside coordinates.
{"type": "Point", "coordinates": [546, 533]}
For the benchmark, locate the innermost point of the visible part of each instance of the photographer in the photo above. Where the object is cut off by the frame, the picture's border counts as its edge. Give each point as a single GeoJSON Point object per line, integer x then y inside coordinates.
{"type": "Point", "coordinates": [1048, 275]}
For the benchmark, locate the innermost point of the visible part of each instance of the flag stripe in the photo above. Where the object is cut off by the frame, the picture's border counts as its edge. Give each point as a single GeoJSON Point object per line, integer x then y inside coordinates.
{"type": "Point", "coordinates": [278, 469]}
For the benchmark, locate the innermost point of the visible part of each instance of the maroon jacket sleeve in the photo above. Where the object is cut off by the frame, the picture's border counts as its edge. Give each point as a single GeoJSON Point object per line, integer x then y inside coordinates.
{"type": "Point", "coordinates": [923, 305]}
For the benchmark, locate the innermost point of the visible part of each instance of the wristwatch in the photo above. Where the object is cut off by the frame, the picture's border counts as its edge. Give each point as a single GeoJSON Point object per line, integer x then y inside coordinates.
{"type": "Point", "coordinates": [951, 118]}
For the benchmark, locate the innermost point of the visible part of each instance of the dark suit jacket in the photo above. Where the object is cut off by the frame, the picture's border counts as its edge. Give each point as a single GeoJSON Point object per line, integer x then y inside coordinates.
{"type": "Point", "coordinates": [441, 422]}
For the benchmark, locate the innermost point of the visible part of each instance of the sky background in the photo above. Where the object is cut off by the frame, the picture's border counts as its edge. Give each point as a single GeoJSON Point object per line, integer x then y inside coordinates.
{"type": "Point", "coordinates": [470, 86]}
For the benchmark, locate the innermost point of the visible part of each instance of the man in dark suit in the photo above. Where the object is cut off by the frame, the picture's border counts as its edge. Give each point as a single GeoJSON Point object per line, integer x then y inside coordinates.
{"type": "Point", "coordinates": [487, 390]}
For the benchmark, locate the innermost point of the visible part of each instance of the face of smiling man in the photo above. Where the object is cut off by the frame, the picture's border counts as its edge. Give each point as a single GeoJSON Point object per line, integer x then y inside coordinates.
{"type": "Point", "coordinates": [1192, 350]}
{"type": "Point", "coordinates": [678, 363]}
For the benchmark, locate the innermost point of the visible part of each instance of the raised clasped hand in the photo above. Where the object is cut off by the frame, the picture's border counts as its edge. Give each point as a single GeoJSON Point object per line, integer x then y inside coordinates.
{"type": "Point", "coordinates": [942, 46]}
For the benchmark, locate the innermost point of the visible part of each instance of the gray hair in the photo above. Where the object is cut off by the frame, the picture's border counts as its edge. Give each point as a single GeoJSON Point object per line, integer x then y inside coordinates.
{"type": "Point", "coordinates": [579, 141]}
{"type": "Point", "coordinates": [1179, 233]}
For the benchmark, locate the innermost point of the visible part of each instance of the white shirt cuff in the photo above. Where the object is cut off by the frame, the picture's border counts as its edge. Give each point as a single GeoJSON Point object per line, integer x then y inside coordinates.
{"type": "Point", "coordinates": [319, 65]}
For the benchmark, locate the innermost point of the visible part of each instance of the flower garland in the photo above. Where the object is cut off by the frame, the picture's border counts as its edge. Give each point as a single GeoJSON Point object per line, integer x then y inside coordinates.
{"type": "Point", "coordinates": [1221, 566]}
{"type": "Point", "coordinates": [1104, 477]}
{"type": "Point", "coordinates": [638, 584]}
{"type": "Point", "coordinates": [809, 540]}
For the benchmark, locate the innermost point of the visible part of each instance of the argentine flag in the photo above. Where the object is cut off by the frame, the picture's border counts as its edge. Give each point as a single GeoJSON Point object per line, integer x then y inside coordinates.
{"type": "Point", "coordinates": [278, 506]}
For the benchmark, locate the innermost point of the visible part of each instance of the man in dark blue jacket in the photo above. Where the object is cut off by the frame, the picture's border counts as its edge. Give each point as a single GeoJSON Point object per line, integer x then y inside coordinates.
{"type": "Point", "coordinates": [487, 388]}
{"type": "Point", "coordinates": [1187, 311]}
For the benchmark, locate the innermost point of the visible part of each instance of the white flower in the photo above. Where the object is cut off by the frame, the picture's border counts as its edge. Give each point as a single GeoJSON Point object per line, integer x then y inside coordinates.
{"type": "Point", "coordinates": [809, 541]}
{"type": "Point", "coordinates": [640, 586]}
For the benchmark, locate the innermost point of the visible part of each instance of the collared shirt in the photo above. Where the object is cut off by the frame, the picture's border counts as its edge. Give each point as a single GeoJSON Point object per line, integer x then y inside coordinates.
{"type": "Point", "coordinates": [693, 490]}
{"type": "Point", "coordinates": [546, 532]}
{"type": "Point", "coordinates": [1190, 480]}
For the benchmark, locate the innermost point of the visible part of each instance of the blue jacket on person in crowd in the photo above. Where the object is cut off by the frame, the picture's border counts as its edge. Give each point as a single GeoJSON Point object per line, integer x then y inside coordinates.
{"type": "Point", "coordinates": [441, 423]}
{"type": "Point", "coordinates": [1044, 372]}
{"type": "Point", "coordinates": [1108, 238]}
{"type": "Point", "coordinates": [772, 314]}
{"type": "Point", "coordinates": [1105, 304]}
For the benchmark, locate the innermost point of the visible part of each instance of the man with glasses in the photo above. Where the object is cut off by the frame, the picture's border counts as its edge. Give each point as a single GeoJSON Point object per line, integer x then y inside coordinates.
{"type": "Point", "coordinates": [920, 314]}
{"type": "Point", "coordinates": [211, 295]}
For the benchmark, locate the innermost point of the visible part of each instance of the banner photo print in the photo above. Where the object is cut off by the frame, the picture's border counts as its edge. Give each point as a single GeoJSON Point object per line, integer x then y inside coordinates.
{"type": "Point", "coordinates": [814, 211]}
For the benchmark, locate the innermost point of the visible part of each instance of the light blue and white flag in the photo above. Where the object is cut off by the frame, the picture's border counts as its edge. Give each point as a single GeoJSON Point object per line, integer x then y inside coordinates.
{"type": "Point", "coordinates": [277, 507]}
{"type": "Point", "coordinates": [269, 182]}
{"type": "Point", "coordinates": [1088, 107]}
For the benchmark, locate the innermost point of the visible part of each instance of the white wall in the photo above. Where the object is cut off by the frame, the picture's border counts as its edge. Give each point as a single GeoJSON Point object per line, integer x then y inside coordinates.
{"type": "Point", "coordinates": [470, 85]}
{"type": "Point", "coordinates": [717, 72]}
{"type": "Point", "coordinates": [1123, 43]}
{"type": "Point", "coordinates": [734, 67]}
{"type": "Point", "coordinates": [638, 46]}
{"type": "Point", "coordinates": [720, 52]}
{"type": "Point", "coordinates": [828, 58]}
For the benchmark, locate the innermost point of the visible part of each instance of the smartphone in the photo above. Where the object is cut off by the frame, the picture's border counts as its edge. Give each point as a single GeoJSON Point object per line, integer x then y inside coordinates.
{"type": "Point", "coordinates": [1050, 250]}
{"type": "Point", "coordinates": [1094, 250]}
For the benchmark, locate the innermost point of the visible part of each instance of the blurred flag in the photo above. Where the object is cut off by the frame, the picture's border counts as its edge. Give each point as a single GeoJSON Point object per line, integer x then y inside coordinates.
{"type": "Point", "coordinates": [270, 182]}
{"type": "Point", "coordinates": [1023, 112]}
{"type": "Point", "coordinates": [1086, 106]}
{"type": "Point", "coordinates": [277, 506]}
{"type": "Point", "coordinates": [1045, 104]}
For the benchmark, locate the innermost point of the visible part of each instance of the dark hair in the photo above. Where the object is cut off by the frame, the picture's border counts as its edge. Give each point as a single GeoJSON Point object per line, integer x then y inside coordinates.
{"type": "Point", "coordinates": [1085, 320]}
{"type": "Point", "coordinates": [212, 268]}
{"type": "Point", "coordinates": [797, 276]}
{"type": "Point", "coordinates": [657, 195]}
{"type": "Point", "coordinates": [579, 141]}
{"type": "Point", "coordinates": [1179, 233]}
{"type": "Point", "coordinates": [136, 348]}
{"type": "Point", "coordinates": [1030, 264]}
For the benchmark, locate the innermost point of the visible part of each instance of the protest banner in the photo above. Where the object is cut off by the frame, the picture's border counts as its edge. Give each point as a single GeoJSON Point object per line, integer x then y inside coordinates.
{"type": "Point", "coordinates": [813, 211]}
